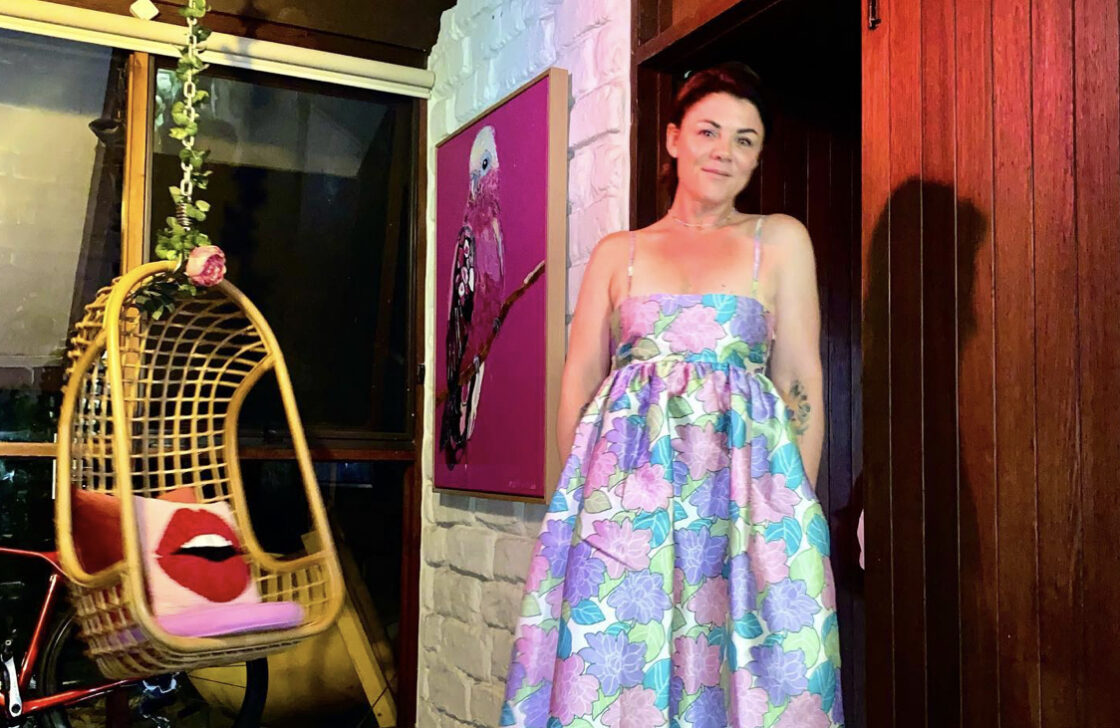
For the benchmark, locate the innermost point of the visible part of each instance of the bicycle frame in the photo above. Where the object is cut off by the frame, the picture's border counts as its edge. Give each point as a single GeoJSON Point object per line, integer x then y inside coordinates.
{"type": "Point", "coordinates": [66, 697]}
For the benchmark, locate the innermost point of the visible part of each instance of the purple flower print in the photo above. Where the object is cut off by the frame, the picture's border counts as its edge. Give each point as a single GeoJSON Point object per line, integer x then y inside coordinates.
{"type": "Point", "coordinates": [744, 591]}
{"type": "Point", "coordinates": [780, 673]}
{"type": "Point", "coordinates": [585, 574]}
{"type": "Point", "coordinates": [614, 660]}
{"type": "Point", "coordinates": [707, 711]}
{"type": "Point", "coordinates": [536, 707]}
{"type": "Point", "coordinates": [680, 475]}
{"type": "Point", "coordinates": [676, 692]}
{"type": "Point", "coordinates": [763, 404]}
{"type": "Point", "coordinates": [515, 679]}
{"type": "Point", "coordinates": [629, 441]}
{"type": "Point", "coordinates": [838, 702]}
{"type": "Point", "coordinates": [700, 554]}
{"type": "Point", "coordinates": [555, 543]}
{"type": "Point", "coordinates": [760, 458]}
{"type": "Point", "coordinates": [641, 596]}
{"type": "Point", "coordinates": [787, 607]}
{"type": "Point", "coordinates": [749, 321]}
{"type": "Point", "coordinates": [714, 496]}
{"type": "Point", "coordinates": [670, 305]}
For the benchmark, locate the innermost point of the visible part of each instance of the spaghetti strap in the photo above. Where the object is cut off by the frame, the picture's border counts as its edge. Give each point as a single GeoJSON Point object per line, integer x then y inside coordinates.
{"type": "Point", "coordinates": [757, 255]}
{"type": "Point", "coordinates": [630, 266]}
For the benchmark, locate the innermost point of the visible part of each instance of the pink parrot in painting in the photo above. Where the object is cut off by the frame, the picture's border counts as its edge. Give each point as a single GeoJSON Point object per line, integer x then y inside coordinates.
{"type": "Point", "coordinates": [477, 292]}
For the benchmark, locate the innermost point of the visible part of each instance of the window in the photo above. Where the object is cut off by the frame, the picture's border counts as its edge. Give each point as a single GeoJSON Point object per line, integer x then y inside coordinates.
{"type": "Point", "coordinates": [311, 199]}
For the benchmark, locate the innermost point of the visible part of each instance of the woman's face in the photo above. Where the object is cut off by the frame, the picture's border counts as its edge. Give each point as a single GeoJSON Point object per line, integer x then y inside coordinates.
{"type": "Point", "coordinates": [716, 146]}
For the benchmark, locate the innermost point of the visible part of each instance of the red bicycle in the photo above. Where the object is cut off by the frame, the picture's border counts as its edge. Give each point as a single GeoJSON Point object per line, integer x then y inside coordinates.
{"type": "Point", "coordinates": [54, 682]}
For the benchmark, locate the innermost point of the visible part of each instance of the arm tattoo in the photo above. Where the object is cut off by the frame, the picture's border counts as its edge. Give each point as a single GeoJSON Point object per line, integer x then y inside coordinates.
{"type": "Point", "coordinates": [799, 412]}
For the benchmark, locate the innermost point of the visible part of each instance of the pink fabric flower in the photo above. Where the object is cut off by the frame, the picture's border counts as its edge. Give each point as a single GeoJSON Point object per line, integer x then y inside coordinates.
{"type": "Point", "coordinates": [696, 662]}
{"type": "Point", "coordinates": [206, 265]}
{"type": "Point", "coordinates": [711, 603]}
{"type": "Point", "coordinates": [676, 380]}
{"type": "Point", "coordinates": [701, 448]}
{"type": "Point", "coordinates": [553, 599]}
{"type": "Point", "coordinates": [804, 711]}
{"type": "Point", "coordinates": [770, 499]}
{"type": "Point", "coordinates": [714, 393]}
{"type": "Point", "coordinates": [538, 569]}
{"type": "Point", "coordinates": [574, 692]}
{"type": "Point", "coordinates": [748, 705]}
{"type": "Point", "coordinates": [768, 561]}
{"type": "Point", "coordinates": [623, 548]}
{"type": "Point", "coordinates": [641, 316]}
{"type": "Point", "coordinates": [694, 329]}
{"type": "Point", "coordinates": [602, 467]}
{"type": "Point", "coordinates": [536, 651]}
{"type": "Point", "coordinates": [646, 489]}
{"type": "Point", "coordinates": [634, 709]}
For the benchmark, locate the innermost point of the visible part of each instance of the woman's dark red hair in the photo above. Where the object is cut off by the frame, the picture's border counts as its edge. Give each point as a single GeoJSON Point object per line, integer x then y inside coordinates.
{"type": "Point", "coordinates": [734, 78]}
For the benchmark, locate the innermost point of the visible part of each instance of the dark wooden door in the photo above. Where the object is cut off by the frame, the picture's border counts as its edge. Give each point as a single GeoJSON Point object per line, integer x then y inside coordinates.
{"type": "Point", "coordinates": [991, 277]}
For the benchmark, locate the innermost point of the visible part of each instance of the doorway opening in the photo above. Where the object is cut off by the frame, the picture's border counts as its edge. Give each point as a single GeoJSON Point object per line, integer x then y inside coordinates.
{"type": "Point", "coordinates": [807, 53]}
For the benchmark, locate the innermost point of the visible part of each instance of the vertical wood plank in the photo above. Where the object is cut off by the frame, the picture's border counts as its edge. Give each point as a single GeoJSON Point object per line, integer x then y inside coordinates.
{"type": "Point", "coordinates": [817, 185]}
{"type": "Point", "coordinates": [876, 345]}
{"type": "Point", "coordinates": [975, 401]}
{"type": "Point", "coordinates": [1015, 368]}
{"type": "Point", "coordinates": [1097, 114]}
{"type": "Point", "coordinates": [939, 357]}
{"type": "Point", "coordinates": [906, 372]}
{"type": "Point", "coordinates": [135, 195]}
{"type": "Point", "coordinates": [1059, 512]}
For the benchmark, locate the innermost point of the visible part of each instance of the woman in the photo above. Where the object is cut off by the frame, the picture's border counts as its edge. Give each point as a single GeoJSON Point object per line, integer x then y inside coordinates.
{"type": "Point", "coordinates": [682, 570]}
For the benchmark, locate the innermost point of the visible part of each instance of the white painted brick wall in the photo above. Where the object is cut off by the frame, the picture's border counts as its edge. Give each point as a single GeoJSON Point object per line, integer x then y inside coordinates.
{"type": "Point", "coordinates": [475, 552]}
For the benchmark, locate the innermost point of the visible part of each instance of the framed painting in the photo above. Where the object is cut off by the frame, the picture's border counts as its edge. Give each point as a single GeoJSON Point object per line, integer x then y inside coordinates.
{"type": "Point", "coordinates": [501, 282]}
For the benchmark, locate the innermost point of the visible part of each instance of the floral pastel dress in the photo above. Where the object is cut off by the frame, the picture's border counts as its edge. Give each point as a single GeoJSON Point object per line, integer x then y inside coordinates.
{"type": "Point", "coordinates": [681, 577]}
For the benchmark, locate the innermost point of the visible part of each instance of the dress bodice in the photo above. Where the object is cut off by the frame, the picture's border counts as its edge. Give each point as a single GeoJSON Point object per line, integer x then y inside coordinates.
{"type": "Point", "coordinates": [721, 329]}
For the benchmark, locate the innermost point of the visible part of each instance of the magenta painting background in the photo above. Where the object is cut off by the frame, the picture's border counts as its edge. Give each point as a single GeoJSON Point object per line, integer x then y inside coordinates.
{"type": "Point", "coordinates": [506, 452]}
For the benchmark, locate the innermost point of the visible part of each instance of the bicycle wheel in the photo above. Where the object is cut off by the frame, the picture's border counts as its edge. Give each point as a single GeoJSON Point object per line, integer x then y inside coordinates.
{"type": "Point", "coordinates": [158, 702]}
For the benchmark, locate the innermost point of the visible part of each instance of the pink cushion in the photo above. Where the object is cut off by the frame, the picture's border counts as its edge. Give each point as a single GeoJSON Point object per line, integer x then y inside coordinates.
{"type": "Point", "coordinates": [233, 619]}
{"type": "Point", "coordinates": [193, 557]}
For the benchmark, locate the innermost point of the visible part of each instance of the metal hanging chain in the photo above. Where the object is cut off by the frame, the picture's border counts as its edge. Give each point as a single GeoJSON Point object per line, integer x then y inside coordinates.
{"type": "Point", "coordinates": [190, 90]}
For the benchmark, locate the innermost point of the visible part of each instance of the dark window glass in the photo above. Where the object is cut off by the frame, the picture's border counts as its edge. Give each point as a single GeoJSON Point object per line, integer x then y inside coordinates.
{"type": "Point", "coordinates": [311, 198]}
{"type": "Point", "coordinates": [61, 165]}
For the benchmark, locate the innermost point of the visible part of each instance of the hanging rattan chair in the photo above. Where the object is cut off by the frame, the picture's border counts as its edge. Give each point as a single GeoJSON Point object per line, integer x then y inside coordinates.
{"type": "Point", "coordinates": [151, 407]}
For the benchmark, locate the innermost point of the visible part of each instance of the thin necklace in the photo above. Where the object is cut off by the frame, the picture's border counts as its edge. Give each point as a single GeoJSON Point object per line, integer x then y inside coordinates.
{"type": "Point", "coordinates": [701, 225]}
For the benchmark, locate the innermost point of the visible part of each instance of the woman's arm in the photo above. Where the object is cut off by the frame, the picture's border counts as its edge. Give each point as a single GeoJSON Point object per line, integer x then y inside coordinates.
{"type": "Point", "coordinates": [795, 364]}
{"type": "Point", "coordinates": [588, 359]}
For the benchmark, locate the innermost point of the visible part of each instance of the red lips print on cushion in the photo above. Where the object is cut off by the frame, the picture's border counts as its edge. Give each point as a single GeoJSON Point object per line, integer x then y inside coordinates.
{"type": "Point", "coordinates": [193, 557]}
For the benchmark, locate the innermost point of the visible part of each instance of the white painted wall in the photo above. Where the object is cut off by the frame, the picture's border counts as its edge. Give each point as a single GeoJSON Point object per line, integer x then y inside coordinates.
{"type": "Point", "coordinates": [476, 552]}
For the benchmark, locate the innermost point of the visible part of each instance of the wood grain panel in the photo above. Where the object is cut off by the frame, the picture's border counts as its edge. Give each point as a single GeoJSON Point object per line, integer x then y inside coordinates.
{"type": "Point", "coordinates": [876, 346]}
{"type": "Point", "coordinates": [822, 229]}
{"type": "Point", "coordinates": [1097, 150]}
{"type": "Point", "coordinates": [906, 406]}
{"type": "Point", "coordinates": [975, 396]}
{"type": "Point", "coordinates": [1017, 544]}
{"type": "Point", "coordinates": [939, 357]}
{"type": "Point", "coordinates": [1055, 257]}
